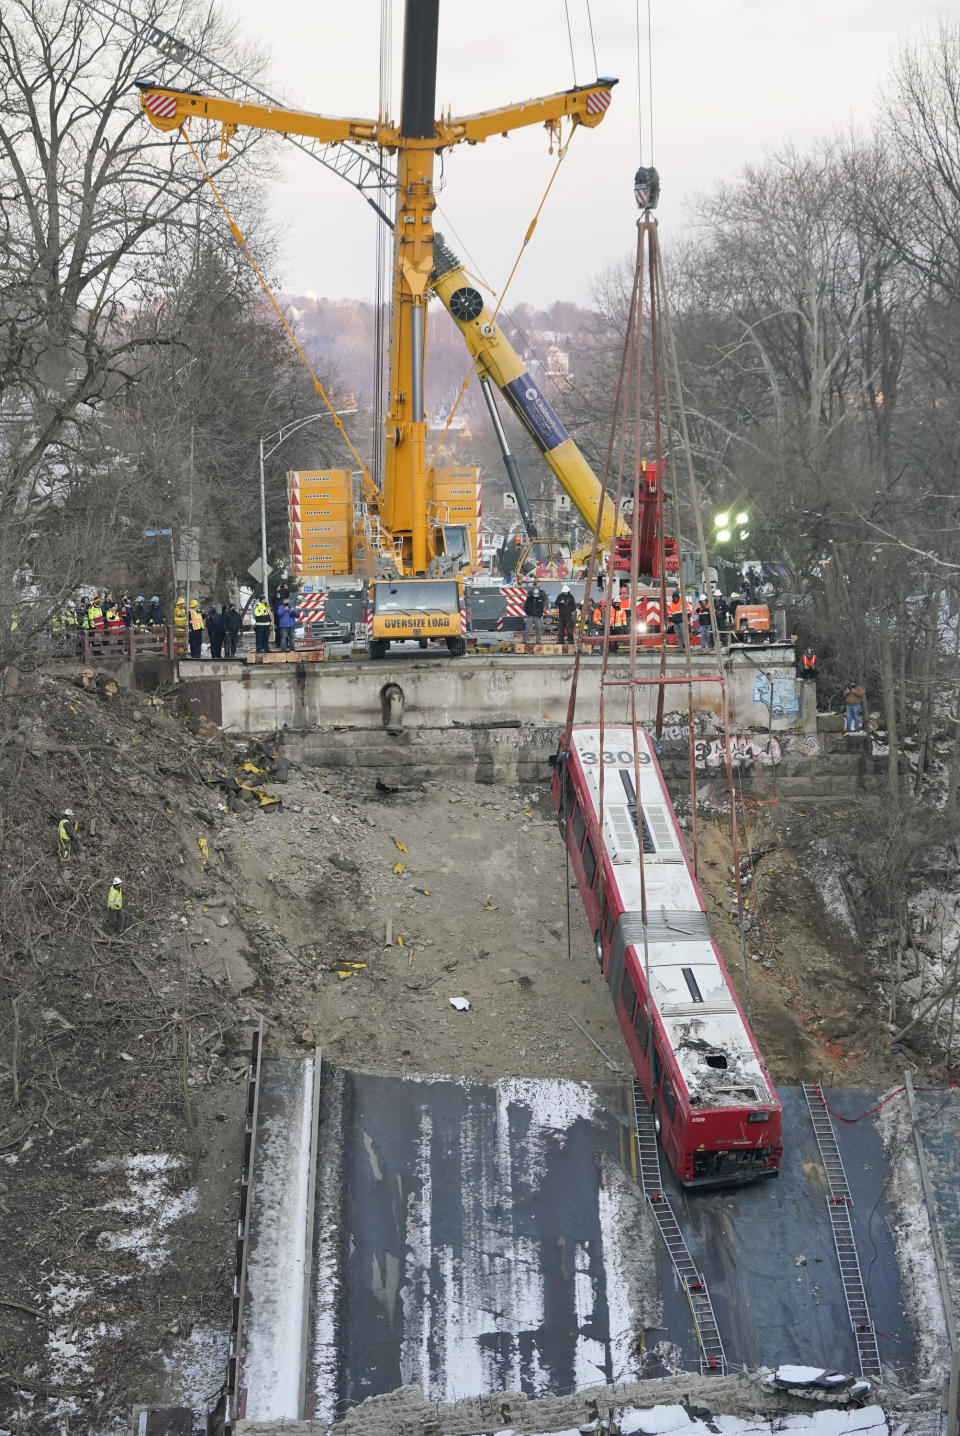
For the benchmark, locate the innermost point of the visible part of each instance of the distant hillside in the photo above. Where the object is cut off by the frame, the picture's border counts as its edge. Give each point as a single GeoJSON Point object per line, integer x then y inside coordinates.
{"type": "Point", "coordinates": [554, 342]}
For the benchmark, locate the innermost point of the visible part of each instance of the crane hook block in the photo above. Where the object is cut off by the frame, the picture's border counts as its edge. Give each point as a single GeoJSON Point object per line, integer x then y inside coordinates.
{"type": "Point", "coordinates": [646, 187]}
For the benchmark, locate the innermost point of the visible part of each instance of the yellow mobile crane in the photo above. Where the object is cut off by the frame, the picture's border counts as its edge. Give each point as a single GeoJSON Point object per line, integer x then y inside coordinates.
{"type": "Point", "coordinates": [497, 361]}
{"type": "Point", "coordinates": [411, 546]}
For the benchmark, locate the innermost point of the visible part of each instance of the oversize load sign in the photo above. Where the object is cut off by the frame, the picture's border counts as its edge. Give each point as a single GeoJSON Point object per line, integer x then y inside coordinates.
{"type": "Point", "coordinates": [424, 622]}
{"type": "Point", "coordinates": [532, 407]}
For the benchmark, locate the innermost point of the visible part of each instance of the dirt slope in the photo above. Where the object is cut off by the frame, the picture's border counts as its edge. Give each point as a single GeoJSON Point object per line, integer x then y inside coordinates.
{"type": "Point", "coordinates": [120, 1146]}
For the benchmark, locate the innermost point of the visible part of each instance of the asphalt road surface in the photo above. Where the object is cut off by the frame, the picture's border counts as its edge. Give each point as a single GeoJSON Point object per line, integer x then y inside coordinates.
{"type": "Point", "coordinates": [464, 1242]}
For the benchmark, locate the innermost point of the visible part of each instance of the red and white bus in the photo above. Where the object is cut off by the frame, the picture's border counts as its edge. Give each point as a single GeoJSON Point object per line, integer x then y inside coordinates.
{"type": "Point", "coordinates": [715, 1108]}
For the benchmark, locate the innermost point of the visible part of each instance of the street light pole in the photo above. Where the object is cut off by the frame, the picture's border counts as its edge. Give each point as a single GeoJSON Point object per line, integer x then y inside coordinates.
{"type": "Point", "coordinates": [263, 523]}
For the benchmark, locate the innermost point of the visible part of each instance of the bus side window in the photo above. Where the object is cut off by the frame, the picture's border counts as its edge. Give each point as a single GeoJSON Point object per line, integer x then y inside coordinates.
{"type": "Point", "coordinates": [656, 1067]}
{"type": "Point", "coordinates": [579, 828]}
{"type": "Point", "coordinates": [628, 996]}
{"type": "Point", "coordinates": [589, 862]}
{"type": "Point", "coordinates": [609, 924]}
{"type": "Point", "coordinates": [568, 794]}
{"type": "Point", "coordinates": [641, 1027]}
{"type": "Point", "coordinates": [669, 1100]}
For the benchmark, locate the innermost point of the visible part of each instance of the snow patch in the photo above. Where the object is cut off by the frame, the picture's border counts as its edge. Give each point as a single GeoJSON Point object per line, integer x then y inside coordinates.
{"type": "Point", "coordinates": [914, 1244]}
{"type": "Point", "coordinates": [197, 1367]}
{"type": "Point", "coordinates": [663, 1420]}
{"type": "Point", "coordinates": [151, 1205]}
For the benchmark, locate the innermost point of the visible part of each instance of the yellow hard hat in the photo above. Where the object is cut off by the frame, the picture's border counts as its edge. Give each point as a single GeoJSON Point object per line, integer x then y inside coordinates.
{"type": "Point", "coordinates": [193, 603]}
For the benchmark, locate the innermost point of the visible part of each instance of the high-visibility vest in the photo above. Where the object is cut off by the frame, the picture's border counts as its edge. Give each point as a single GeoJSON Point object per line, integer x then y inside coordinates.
{"type": "Point", "coordinates": [114, 621]}
{"type": "Point", "coordinates": [94, 616]}
{"type": "Point", "coordinates": [261, 612]}
{"type": "Point", "coordinates": [674, 608]}
{"type": "Point", "coordinates": [115, 899]}
{"type": "Point", "coordinates": [810, 661]}
{"type": "Point", "coordinates": [196, 618]}
{"type": "Point", "coordinates": [64, 832]}
{"type": "Point", "coordinates": [598, 616]}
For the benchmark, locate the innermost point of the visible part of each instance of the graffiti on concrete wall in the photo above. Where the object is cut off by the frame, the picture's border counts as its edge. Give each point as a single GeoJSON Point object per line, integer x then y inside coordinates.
{"type": "Point", "coordinates": [781, 694]}
{"type": "Point", "coordinates": [801, 745]}
{"type": "Point", "coordinates": [746, 752]}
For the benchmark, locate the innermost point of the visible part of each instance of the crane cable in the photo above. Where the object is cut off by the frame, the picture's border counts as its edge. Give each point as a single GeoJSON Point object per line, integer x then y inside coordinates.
{"type": "Point", "coordinates": [561, 155]}
{"type": "Point", "coordinates": [638, 29]}
{"type": "Point", "coordinates": [235, 231]}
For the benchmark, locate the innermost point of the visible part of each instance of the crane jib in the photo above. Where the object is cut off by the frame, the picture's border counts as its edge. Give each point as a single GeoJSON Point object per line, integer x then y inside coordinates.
{"type": "Point", "coordinates": [533, 409]}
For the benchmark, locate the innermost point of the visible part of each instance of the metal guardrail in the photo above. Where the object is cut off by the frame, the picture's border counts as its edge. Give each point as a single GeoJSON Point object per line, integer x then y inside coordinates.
{"type": "Point", "coordinates": [95, 645]}
{"type": "Point", "coordinates": [234, 1403]}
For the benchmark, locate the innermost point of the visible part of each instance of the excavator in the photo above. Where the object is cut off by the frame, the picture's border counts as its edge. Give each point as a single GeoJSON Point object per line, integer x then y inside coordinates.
{"type": "Point", "coordinates": [401, 540]}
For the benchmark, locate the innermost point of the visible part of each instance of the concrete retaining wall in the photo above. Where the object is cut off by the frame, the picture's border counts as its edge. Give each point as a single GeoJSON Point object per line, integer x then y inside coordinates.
{"type": "Point", "coordinates": [440, 692]}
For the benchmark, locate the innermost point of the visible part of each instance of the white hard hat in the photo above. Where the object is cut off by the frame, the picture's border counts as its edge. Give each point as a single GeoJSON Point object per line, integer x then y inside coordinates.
{"type": "Point", "coordinates": [68, 812]}
{"type": "Point", "coordinates": [566, 588]}
{"type": "Point", "coordinates": [703, 598]}
{"type": "Point", "coordinates": [117, 882]}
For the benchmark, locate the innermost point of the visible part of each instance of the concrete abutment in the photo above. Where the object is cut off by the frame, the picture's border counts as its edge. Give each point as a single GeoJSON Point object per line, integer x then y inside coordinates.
{"type": "Point", "coordinates": [498, 718]}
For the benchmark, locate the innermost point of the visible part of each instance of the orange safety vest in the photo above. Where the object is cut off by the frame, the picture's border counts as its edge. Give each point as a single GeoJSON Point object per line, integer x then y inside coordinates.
{"type": "Point", "coordinates": [196, 618]}
{"type": "Point", "coordinates": [810, 662]}
{"type": "Point", "coordinates": [598, 616]}
{"type": "Point", "coordinates": [674, 608]}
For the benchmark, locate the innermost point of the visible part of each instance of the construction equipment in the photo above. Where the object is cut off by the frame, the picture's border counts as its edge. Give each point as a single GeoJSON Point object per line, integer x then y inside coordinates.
{"type": "Point", "coordinates": [425, 609]}
{"type": "Point", "coordinates": [498, 362]}
{"type": "Point", "coordinates": [399, 531]}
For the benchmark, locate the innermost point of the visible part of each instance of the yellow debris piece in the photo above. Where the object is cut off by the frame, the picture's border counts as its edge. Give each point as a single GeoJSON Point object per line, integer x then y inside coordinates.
{"type": "Point", "coordinates": [251, 768]}
{"type": "Point", "coordinates": [490, 907]}
{"type": "Point", "coordinates": [399, 867]}
{"type": "Point", "coordinates": [344, 975]}
{"type": "Point", "coordinates": [204, 847]}
{"type": "Point", "coordinates": [528, 815]}
{"type": "Point", "coordinates": [400, 845]}
{"type": "Point", "coordinates": [399, 940]}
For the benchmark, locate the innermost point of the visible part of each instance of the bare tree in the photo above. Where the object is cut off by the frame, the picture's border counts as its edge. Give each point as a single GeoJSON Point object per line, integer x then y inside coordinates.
{"type": "Point", "coordinates": [90, 197]}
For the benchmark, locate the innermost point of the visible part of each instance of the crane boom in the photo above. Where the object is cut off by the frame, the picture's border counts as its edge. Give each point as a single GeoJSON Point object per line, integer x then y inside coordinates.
{"type": "Point", "coordinates": [365, 172]}
{"type": "Point", "coordinates": [402, 506]}
{"type": "Point", "coordinates": [497, 359]}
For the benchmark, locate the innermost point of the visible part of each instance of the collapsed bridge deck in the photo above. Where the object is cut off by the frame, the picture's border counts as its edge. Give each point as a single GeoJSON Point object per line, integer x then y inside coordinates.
{"type": "Point", "coordinates": [471, 1237]}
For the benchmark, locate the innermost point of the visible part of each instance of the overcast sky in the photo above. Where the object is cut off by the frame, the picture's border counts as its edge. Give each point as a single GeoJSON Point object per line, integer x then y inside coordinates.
{"type": "Point", "coordinates": [732, 80]}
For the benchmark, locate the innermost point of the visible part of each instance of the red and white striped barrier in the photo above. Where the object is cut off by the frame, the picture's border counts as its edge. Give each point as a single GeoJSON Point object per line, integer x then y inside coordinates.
{"type": "Point", "coordinates": [514, 598]}
{"type": "Point", "coordinates": [312, 607]}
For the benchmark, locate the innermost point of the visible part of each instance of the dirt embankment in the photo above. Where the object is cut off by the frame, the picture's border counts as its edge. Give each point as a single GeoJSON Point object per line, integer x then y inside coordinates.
{"type": "Point", "coordinates": [347, 916]}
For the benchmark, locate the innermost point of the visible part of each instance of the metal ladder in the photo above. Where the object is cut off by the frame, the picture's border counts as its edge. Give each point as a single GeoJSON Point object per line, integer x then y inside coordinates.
{"type": "Point", "coordinates": [712, 1359]}
{"type": "Point", "coordinates": [839, 1202]}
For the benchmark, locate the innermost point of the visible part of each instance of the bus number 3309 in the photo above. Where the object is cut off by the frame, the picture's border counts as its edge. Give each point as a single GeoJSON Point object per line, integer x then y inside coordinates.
{"type": "Point", "coordinates": [622, 759]}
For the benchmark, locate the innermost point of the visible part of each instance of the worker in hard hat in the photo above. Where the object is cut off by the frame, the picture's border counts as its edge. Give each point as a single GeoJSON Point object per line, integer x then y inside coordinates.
{"type": "Point", "coordinates": [66, 834]}
{"type": "Point", "coordinates": [195, 628]}
{"type": "Point", "coordinates": [155, 618]}
{"type": "Point", "coordinates": [138, 614]}
{"type": "Point", "coordinates": [262, 619]}
{"type": "Point", "coordinates": [566, 614]}
{"type": "Point", "coordinates": [706, 623]}
{"type": "Point", "coordinates": [115, 906]}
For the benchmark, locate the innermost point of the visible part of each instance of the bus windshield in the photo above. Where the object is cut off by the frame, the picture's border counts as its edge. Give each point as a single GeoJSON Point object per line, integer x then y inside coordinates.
{"type": "Point", "coordinates": [414, 595]}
